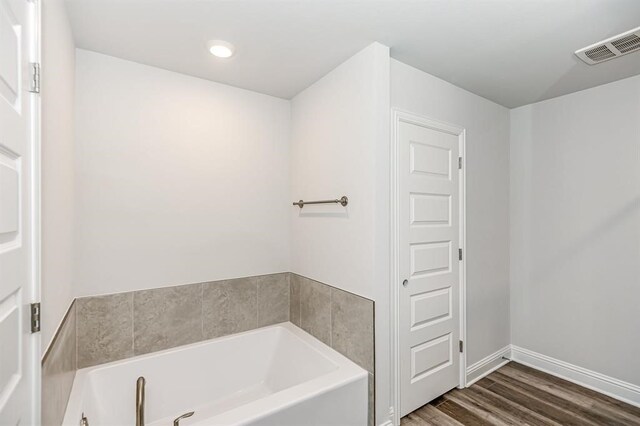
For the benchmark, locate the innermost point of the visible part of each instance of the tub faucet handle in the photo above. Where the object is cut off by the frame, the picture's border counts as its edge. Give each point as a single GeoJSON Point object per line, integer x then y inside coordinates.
{"type": "Point", "coordinates": [176, 422]}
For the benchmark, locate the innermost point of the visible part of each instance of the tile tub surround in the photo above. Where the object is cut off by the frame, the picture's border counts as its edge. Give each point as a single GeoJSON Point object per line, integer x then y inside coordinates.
{"type": "Point", "coordinates": [58, 370]}
{"type": "Point", "coordinates": [229, 307]}
{"type": "Point", "coordinates": [164, 318]}
{"type": "Point", "coordinates": [118, 326]}
{"type": "Point", "coordinates": [338, 318]}
{"type": "Point", "coordinates": [105, 328]}
{"type": "Point", "coordinates": [122, 325]}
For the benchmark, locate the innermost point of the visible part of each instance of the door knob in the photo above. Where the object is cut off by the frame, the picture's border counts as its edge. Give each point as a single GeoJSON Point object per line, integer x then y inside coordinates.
{"type": "Point", "coordinates": [405, 283]}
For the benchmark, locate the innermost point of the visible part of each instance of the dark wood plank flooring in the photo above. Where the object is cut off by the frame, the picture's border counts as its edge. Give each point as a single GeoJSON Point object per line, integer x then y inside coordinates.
{"type": "Point", "coordinates": [519, 395]}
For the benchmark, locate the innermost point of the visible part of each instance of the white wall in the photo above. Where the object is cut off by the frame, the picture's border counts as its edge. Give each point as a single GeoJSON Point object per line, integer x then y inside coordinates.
{"type": "Point", "coordinates": [340, 146]}
{"type": "Point", "coordinates": [180, 180]}
{"type": "Point", "coordinates": [57, 94]}
{"type": "Point", "coordinates": [334, 139]}
{"type": "Point", "coordinates": [487, 173]}
{"type": "Point", "coordinates": [575, 238]}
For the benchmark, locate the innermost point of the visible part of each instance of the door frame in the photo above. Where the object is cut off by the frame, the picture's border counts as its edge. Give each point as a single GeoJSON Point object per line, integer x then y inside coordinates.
{"type": "Point", "coordinates": [36, 210]}
{"type": "Point", "coordinates": [400, 116]}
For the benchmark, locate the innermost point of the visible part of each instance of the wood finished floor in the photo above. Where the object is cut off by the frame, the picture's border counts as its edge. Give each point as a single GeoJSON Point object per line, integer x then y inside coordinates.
{"type": "Point", "coordinates": [519, 395]}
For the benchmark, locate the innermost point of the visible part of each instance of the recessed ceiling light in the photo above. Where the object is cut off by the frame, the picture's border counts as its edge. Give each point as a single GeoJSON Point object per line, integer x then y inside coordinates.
{"type": "Point", "coordinates": [221, 48]}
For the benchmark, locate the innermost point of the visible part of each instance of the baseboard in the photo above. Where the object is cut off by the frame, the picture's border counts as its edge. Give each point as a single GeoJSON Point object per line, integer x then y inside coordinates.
{"type": "Point", "coordinates": [598, 382]}
{"type": "Point", "coordinates": [487, 365]}
{"type": "Point", "coordinates": [387, 423]}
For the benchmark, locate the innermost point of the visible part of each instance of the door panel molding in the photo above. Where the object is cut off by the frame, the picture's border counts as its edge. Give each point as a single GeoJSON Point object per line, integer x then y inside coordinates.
{"type": "Point", "coordinates": [435, 295]}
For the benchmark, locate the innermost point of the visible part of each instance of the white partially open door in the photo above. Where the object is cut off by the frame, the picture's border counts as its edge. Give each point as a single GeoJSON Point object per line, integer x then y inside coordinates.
{"type": "Point", "coordinates": [429, 236]}
{"type": "Point", "coordinates": [19, 369]}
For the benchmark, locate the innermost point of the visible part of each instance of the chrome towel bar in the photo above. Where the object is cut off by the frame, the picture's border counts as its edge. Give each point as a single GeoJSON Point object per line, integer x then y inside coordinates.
{"type": "Point", "coordinates": [343, 201]}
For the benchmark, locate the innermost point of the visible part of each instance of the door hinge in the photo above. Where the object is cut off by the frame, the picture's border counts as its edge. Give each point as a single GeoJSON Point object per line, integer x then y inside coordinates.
{"type": "Point", "coordinates": [461, 346]}
{"type": "Point", "coordinates": [35, 317]}
{"type": "Point", "coordinates": [459, 254]}
{"type": "Point", "coordinates": [459, 163]}
{"type": "Point", "coordinates": [34, 86]}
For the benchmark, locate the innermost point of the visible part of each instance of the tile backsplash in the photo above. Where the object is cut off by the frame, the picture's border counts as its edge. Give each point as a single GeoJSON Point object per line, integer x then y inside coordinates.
{"type": "Point", "coordinates": [166, 317]}
{"type": "Point", "coordinates": [273, 299]}
{"type": "Point", "coordinates": [340, 319]}
{"type": "Point", "coordinates": [123, 325]}
{"type": "Point", "coordinates": [230, 306]}
{"type": "Point", "coordinates": [105, 328]}
{"type": "Point", "coordinates": [59, 367]}
{"type": "Point", "coordinates": [101, 329]}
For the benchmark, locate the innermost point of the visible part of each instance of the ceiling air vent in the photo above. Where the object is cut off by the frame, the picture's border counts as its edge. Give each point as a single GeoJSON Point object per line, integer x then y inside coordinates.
{"type": "Point", "coordinates": [611, 48]}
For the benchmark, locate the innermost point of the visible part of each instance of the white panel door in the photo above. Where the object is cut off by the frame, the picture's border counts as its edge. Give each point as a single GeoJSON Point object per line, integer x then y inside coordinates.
{"type": "Point", "coordinates": [428, 255]}
{"type": "Point", "coordinates": [18, 371]}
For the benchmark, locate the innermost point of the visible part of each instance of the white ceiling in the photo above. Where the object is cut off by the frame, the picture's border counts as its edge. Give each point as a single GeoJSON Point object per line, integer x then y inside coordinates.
{"type": "Point", "coordinates": [513, 52]}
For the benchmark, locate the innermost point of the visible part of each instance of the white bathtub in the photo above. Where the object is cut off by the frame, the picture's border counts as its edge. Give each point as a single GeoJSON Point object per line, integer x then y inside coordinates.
{"type": "Point", "coordinates": [277, 375]}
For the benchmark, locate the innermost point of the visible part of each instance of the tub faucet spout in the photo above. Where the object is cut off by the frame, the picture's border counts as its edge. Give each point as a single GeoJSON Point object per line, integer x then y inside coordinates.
{"type": "Point", "coordinates": [176, 422]}
{"type": "Point", "coordinates": [140, 401]}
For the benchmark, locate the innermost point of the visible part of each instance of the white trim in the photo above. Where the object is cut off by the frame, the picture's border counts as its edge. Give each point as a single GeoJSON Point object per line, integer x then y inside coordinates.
{"type": "Point", "coordinates": [488, 365]}
{"type": "Point", "coordinates": [615, 388]}
{"type": "Point", "coordinates": [36, 190]}
{"type": "Point", "coordinates": [398, 116]}
{"type": "Point", "coordinates": [394, 235]}
{"type": "Point", "coordinates": [387, 423]}
{"type": "Point", "coordinates": [462, 148]}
